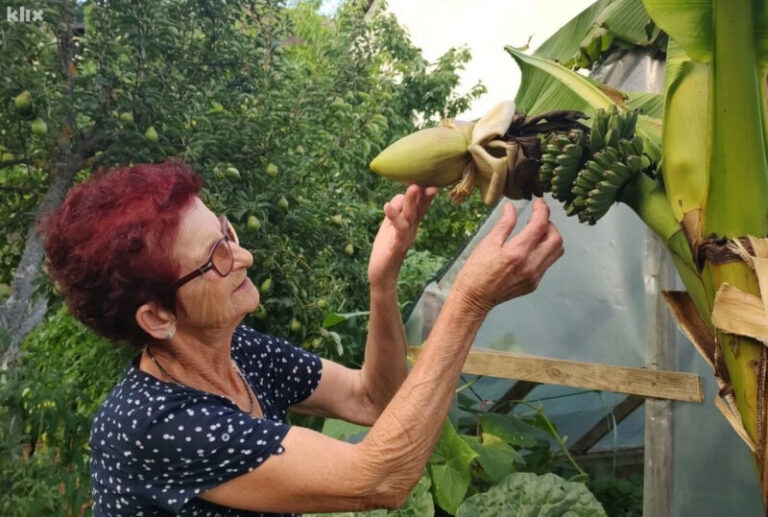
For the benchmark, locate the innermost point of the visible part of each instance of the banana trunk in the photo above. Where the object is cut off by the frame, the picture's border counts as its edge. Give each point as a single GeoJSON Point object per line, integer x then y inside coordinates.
{"type": "Point", "coordinates": [716, 177]}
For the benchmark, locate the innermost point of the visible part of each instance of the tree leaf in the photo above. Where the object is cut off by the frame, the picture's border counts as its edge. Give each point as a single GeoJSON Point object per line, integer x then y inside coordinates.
{"type": "Point", "coordinates": [511, 429]}
{"type": "Point", "coordinates": [334, 318]}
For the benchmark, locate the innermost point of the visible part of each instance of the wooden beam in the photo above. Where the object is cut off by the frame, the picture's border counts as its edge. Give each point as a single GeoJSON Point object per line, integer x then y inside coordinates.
{"type": "Point", "coordinates": [622, 410]}
{"type": "Point", "coordinates": [518, 391]}
{"type": "Point", "coordinates": [619, 379]}
{"type": "Point", "coordinates": [658, 475]}
{"type": "Point", "coordinates": [618, 462]}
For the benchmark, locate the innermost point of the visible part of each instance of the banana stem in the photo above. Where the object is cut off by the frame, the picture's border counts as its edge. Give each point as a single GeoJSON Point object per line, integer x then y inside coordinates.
{"type": "Point", "coordinates": [649, 201]}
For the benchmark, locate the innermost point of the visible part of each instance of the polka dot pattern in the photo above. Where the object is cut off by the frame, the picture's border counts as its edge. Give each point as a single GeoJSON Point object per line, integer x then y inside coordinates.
{"type": "Point", "coordinates": [156, 445]}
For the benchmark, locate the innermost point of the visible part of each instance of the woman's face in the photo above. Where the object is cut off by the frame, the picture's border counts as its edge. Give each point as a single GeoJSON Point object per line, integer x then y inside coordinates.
{"type": "Point", "coordinates": [211, 301]}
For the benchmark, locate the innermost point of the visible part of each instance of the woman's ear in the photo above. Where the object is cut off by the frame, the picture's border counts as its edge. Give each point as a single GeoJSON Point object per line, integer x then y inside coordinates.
{"type": "Point", "coordinates": [156, 321]}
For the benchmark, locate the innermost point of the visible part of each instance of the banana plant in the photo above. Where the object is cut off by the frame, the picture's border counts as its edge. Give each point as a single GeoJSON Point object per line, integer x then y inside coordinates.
{"type": "Point", "coordinates": [696, 171]}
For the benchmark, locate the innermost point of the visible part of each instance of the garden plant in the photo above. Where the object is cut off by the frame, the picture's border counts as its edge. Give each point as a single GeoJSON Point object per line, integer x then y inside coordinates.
{"type": "Point", "coordinates": [691, 162]}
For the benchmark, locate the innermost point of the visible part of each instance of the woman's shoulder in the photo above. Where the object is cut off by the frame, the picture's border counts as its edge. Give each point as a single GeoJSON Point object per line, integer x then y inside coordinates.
{"type": "Point", "coordinates": [138, 401]}
{"type": "Point", "coordinates": [246, 338]}
{"type": "Point", "coordinates": [251, 341]}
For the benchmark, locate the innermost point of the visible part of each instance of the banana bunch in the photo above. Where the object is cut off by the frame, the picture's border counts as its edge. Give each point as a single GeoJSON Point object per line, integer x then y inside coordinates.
{"type": "Point", "coordinates": [588, 171]}
{"type": "Point", "coordinates": [611, 126]}
{"type": "Point", "coordinates": [497, 155]}
{"type": "Point", "coordinates": [507, 153]}
{"type": "Point", "coordinates": [561, 161]}
{"type": "Point", "coordinates": [617, 159]}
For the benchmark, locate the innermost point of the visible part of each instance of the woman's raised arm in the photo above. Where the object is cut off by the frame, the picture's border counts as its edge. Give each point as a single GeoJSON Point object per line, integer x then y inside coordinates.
{"type": "Point", "coordinates": [319, 474]}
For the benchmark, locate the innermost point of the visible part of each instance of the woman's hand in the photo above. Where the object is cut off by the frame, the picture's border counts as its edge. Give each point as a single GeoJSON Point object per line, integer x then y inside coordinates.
{"type": "Point", "coordinates": [499, 269]}
{"type": "Point", "coordinates": [397, 233]}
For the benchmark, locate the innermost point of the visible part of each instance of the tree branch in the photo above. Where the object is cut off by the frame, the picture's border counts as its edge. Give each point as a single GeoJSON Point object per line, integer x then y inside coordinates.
{"type": "Point", "coordinates": [19, 314]}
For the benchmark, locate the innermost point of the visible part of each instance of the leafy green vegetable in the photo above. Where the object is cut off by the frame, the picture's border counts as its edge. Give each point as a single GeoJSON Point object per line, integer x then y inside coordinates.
{"type": "Point", "coordinates": [494, 455]}
{"type": "Point", "coordinates": [529, 495]}
{"type": "Point", "coordinates": [449, 468]}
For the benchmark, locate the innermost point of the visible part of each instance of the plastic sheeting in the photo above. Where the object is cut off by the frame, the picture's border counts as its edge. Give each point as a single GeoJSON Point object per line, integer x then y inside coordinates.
{"type": "Point", "coordinates": [590, 306]}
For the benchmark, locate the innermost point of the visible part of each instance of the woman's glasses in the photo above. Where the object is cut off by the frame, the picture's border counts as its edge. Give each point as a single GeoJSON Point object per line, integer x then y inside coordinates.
{"type": "Point", "coordinates": [221, 259]}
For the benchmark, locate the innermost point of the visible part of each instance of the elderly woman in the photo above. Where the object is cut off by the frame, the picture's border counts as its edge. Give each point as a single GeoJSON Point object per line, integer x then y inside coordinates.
{"type": "Point", "coordinates": [197, 424]}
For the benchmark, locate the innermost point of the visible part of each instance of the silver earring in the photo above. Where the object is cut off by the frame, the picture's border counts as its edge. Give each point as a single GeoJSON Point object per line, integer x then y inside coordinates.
{"type": "Point", "coordinates": [169, 334]}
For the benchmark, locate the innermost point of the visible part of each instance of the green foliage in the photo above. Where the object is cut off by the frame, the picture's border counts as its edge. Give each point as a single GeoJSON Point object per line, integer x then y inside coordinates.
{"type": "Point", "coordinates": [526, 494]}
{"type": "Point", "coordinates": [64, 374]}
{"type": "Point", "coordinates": [619, 497]}
{"type": "Point", "coordinates": [587, 39]}
{"type": "Point", "coordinates": [295, 102]}
{"type": "Point", "coordinates": [279, 109]}
{"type": "Point", "coordinates": [449, 468]}
{"type": "Point", "coordinates": [484, 451]}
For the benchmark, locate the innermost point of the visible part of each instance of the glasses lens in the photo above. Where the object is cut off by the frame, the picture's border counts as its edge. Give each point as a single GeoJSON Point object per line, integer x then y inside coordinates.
{"type": "Point", "coordinates": [222, 258]}
{"type": "Point", "coordinates": [231, 233]}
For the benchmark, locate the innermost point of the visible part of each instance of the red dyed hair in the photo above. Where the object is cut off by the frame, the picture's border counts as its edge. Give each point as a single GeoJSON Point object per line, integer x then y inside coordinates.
{"type": "Point", "coordinates": [108, 245]}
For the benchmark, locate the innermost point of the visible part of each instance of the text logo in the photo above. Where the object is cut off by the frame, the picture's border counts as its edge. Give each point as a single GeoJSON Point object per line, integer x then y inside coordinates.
{"type": "Point", "coordinates": [23, 15]}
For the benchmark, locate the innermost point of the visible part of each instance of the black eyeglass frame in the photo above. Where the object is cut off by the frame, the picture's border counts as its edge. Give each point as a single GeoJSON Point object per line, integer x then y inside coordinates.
{"type": "Point", "coordinates": [226, 227]}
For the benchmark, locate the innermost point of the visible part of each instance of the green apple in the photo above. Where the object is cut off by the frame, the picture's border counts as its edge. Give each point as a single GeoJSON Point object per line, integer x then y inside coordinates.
{"type": "Point", "coordinates": [39, 127]}
{"type": "Point", "coordinates": [282, 203]}
{"type": "Point", "coordinates": [321, 303]}
{"type": "Point", "coordinates": [127, 117]}
{"type": "Point", "coordinates": [151, 134]}
{"type": "Point", "coordinates": [295, 324]}
{"type": "Point", "coordinates": [349, 249]}
{"type": "Point", "coordinates": [337, 219]}
{"type": "Point", "coordinates": [271, 170]}
{"type": "Point", "coordinates": [266, 285]}
{"type": "Point", "coordinates": [232, 172]}
{"type": "Point", "coordinates": [254, 223]}
{"type": "Point", "coordinates": [23, 102]}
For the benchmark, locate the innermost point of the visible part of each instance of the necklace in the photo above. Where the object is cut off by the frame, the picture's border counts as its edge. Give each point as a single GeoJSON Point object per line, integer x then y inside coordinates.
{"type": "Point", "coordinates": [177, 381]}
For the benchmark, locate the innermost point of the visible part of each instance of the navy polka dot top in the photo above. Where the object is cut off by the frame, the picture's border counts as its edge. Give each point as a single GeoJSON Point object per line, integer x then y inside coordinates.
{"type": "Point", "coordinates": [156, 445]}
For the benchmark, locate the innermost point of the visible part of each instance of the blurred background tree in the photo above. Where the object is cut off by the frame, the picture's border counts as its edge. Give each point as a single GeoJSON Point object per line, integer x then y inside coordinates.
{"type": "Point", "coordinates": [279, 108]}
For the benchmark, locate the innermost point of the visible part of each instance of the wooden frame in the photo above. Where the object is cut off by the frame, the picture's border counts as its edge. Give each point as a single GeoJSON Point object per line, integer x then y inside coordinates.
{"type": "Point", "coordinates": [659, 384]}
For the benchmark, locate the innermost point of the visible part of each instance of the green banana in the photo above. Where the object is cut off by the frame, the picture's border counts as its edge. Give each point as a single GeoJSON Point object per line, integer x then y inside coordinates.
{"type": "Point", "coordinates": [574, 150]}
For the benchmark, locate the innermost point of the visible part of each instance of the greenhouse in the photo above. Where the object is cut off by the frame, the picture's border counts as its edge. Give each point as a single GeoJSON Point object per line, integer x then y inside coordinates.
{"type": "Point", "coordinates": [384, 258]}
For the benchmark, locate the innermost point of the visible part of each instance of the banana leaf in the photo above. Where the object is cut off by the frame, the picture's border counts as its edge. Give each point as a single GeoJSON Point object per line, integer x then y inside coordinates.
{"type": "Point", "coordinates": [546, 85]}
{"type": "Point", "coordinates": [649, 104]}
{"type": "Point", "coordinates": [627, 20]}
{"type": "Point", "coordinates": [598, 28]}
{"type": "Point", "coordinates": [563, 45]}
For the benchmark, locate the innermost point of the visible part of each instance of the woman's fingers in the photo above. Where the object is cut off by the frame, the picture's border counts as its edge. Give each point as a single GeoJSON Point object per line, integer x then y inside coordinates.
{"type": "Point", "coordinates": [504, 225]}
{"type": "Point", "coordinates": [426, 199]}
{"type": "Point", "coordinates": [412, 195]}
{"type": "Point", "coordinates": [548, 250]}
{"type": "Point", "coordinates": [536, 228]}
{"type": "Point", "coordinates": [395, 216]}
{"type": "Point", "coordinates": [398, 201]}
{"type": "Point", "coordinates": [406, 209]}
